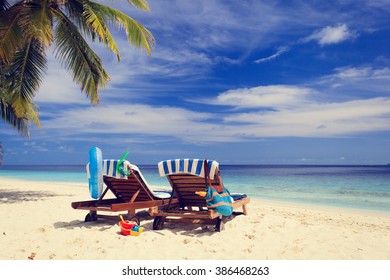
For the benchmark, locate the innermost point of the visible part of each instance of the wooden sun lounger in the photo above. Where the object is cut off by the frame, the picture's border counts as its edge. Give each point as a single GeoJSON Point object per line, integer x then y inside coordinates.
{"type": "Point", "coordinates": [192, 208]}
{"type": "Point", "coordinates": [130, 195]}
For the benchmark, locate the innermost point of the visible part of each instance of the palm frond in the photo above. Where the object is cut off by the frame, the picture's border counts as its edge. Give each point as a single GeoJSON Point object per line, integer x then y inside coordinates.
{"type": "Point", "coordinates": [9, 116]}
{"type": "Point", "coordinates": [96, 20]}
{"type": "Point", "coordinates": [74, 52]}
{"type": "Point", "coordinates": [37, 22]}
{"type": "Point", "coordinates": [74, 10]}
{"type": "Point", "coordinates": [136, 33]}
{"type": "Point", "coordinates": [19, 23]}
{"type": "Point", "coordinates": [11, 35]}
{"type": "Point", "coordinates": [24, 74]}
{"type": "Point", "coordinates": [140, 4]}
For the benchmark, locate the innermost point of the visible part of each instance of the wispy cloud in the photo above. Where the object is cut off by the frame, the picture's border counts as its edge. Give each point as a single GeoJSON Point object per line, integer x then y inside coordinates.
{"type": "Point", "coordinates": [358, 81]}
{"type": "Point", "coordinates": [318, 119]}
{"type": "Point", "coordinates": [135, 119]}
{"type": "Point", "coordinates": [35, 147]}
{"type": "Point", "coordinates": [360, 73]}
{"type": "Point", "coordinates": [264, 96]}
{"type": "Point", "coordinates": [331, 35]}
{"type": "Point", "coordinates": [279, 52]}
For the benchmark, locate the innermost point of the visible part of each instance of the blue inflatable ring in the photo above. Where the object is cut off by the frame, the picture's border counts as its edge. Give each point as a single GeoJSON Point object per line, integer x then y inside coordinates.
{"type": "Point", "coordinates": [95, 180]}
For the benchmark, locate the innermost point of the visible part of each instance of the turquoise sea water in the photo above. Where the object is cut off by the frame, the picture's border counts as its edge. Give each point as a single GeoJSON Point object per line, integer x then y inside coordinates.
{"type": "Point", "coordinates": [360, 187]}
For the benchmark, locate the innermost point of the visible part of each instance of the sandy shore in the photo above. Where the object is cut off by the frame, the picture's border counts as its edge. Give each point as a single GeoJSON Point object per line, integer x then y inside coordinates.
{"type": "Point", "coordinates": [37, 221]}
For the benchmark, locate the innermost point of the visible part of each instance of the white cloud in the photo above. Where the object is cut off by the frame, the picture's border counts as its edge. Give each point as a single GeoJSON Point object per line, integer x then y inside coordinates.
{"type": "Point", "coordinates": [303, 117]}
{"type": "Point", "coordinates": [34, 147]}
{"type": "Point", "coordinates": [65, 149]}
{"type": "Point", "coordinates": [361, 73]}
{"type": "Point", "coordinates": [352, 73]}
{"type": "Point", "coordinates": [137, 119]}
{"type": "Point", "coordinates": [264, 96]}
{"type": "Point", "coordinates": [279, 52]}
{"type": "Point", "coordinates": [359, 80]}
{"type": "Point", "coordinates": [58, 87]}
{"type": "Point", "coordinates": [319, 120]}
{"type": "Point", "coordinates": [331, 35]}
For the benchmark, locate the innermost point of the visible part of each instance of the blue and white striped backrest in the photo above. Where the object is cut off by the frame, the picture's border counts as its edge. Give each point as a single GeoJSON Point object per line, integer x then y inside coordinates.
{"type": "Point", "coordinates": [109, 168]}
{"type": "Point", "coordinates": [187, 166]}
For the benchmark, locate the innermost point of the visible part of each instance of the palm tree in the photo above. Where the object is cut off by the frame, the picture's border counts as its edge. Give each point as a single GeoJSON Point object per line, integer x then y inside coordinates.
{"type": "Point", "coordinates": [29, 27]}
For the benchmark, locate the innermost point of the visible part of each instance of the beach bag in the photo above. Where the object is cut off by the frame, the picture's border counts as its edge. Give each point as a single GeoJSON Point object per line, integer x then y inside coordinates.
{"type": "Point", "coordinates": [219, 201]}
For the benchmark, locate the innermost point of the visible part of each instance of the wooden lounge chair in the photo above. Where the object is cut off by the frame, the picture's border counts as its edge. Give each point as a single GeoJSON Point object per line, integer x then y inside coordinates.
{"type": "Point", "coordinates": [130, 194]}
{"type": "Point", "coordinates": [188, 179]}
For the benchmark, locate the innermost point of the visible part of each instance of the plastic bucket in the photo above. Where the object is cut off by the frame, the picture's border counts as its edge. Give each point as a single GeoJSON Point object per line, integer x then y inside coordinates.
{"type": "Point", "coordinates": [126, 227]}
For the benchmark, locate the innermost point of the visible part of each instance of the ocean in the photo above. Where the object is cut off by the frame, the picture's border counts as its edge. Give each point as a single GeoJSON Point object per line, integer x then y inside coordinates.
{"type": "Point", "coordinates": [357, 187]}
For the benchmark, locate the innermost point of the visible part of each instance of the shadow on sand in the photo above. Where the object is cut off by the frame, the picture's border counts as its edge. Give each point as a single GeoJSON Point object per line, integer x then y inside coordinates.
{"type": "Point", "coordinates": [14, 196]}
{"type": "Point", "coordinates": [190, 230]}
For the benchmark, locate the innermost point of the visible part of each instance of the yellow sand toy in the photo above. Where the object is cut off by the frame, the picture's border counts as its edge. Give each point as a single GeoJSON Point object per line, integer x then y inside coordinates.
{"type": "Point", "coordinates": [202, 194]}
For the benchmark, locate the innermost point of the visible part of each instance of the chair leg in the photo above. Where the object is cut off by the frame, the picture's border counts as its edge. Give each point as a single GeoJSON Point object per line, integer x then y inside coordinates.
{"type": "Point", "coordinates": [153, 210]}
{"type": "Point", "coordinates": [244, 209]}
{"type": "Point", "coordinates": [131, 213]}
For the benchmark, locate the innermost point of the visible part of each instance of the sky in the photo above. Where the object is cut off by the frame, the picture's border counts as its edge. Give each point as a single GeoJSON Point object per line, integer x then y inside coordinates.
{"type": "Point", "coordinates": [240, 82]}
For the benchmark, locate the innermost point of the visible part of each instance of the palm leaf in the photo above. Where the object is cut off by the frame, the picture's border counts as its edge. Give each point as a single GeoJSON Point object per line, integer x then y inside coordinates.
{"type": "Point", "coordinates": [37, 22]}
{"type": "Point", "coordinates": [9, 115]}
{"type": "Point", "coordinates": [24, 74]}
{"type": "Point", "coordinates": [136, 33]}
{"type": "Point", "coordinates": [74, 10]}
{"type": "Point", "coordinates": [20, 22]}
{"type": "Point", "coordinates": [96, 20]}
{"type": "Point", "coordinates": [140, 4]}
{"type": "Point", "coordinates": [74, 52]}
{"type": "Point", "coordinates": [7, 108]}
{"type": "Point", "coordinates": [11, 36]}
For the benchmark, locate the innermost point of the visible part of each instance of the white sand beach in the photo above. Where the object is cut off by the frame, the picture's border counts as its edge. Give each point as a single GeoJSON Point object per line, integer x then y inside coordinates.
{"type": "Point", "coordinates": [38, 223]}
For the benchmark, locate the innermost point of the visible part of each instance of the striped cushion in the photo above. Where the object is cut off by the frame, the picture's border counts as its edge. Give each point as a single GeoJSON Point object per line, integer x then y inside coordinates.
{"type": "Point", "coordinates": [187, 166]}
{"type": "Point", "coordinates": [109, 168]}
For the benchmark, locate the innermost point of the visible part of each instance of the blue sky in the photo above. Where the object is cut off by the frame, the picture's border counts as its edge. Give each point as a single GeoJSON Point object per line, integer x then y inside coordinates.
{"type": "Point", "coordinates": [256, 82]}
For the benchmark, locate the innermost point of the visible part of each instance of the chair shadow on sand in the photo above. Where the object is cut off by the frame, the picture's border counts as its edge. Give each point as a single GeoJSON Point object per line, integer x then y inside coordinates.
{"type": "Point", "coordinates": [147, 223]}
{"type": "Point", "coordinates": [106, 223]}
